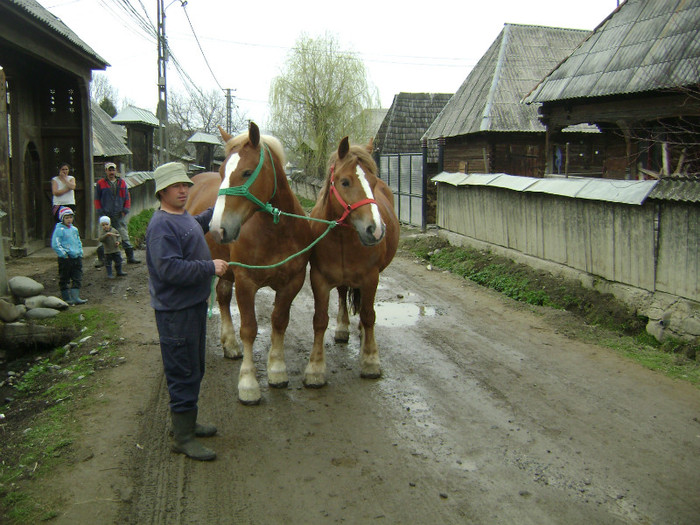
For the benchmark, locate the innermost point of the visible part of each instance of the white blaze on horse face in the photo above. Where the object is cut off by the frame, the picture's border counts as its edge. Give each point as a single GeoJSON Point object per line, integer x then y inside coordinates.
{"type": "Point", "coordinates": [362, 177]}
{"type": "Point", "coordinates": [229, 168]}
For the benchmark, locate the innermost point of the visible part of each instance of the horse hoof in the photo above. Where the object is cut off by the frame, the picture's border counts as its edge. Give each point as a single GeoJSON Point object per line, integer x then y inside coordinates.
{"type": "Point", "coordinates": [371, 374]}
{"type": "Point", "coordinates": [310, 384]}
{"type": "Point", "coordinates": [232, 354]}
{"type": "Point", "coordinates": [249, 403]}
{"type": "Point", "coordinates": [342, 337]}
{"type": "Point", "coordinates": [281, 384]}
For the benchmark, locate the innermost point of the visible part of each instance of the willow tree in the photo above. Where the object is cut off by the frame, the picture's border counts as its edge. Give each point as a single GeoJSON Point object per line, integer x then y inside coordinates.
{"type": "Point", "coordinates": [321, 96]}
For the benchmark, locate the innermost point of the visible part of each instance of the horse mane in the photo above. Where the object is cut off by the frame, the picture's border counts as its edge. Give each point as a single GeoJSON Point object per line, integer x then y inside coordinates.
{"type": "Point", "coordinates": [235, 143]}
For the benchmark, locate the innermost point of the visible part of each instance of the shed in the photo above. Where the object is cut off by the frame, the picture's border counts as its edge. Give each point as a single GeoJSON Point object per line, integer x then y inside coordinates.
{"type": "Point", "coordinates": [485, 128]}
{"type": "Point", "coordinates": [140, 125]}
{"type": "Point", "coordinates": [205, 145]}
{"type": "Point", "coordinates": [46, 72]}
{"type": "Point", "coordinates": [636, 77]}
{"type": "Point", "coordinates": [403, 162]}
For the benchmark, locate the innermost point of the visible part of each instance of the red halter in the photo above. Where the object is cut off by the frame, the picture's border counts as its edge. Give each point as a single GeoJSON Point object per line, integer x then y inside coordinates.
{"type": "Point", "coordinates": [349, 208]}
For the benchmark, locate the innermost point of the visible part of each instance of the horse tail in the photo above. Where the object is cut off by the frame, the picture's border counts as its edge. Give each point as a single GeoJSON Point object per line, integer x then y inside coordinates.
{"type": "Point", "coordinates": [356, 300]}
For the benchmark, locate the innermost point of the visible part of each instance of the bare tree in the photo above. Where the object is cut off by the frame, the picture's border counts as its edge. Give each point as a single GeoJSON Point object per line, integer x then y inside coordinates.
{"type": "Point", "coordinates": [104, 94]}
{"type": "Point", "coordinates": [197, 111]}
{"type": "Point", "coordinates": [318, 99]}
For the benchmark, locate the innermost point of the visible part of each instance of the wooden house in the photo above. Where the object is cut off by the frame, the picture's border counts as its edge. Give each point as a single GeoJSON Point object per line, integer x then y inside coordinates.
{"type": "Point", "coordinates": [485, 127]}
{"type": "Point", "coordinates": [636, 78]}
{"type": "Point", "coordinates": [404, 160]}
{"type": "Point", "coordinates": [45, 113]}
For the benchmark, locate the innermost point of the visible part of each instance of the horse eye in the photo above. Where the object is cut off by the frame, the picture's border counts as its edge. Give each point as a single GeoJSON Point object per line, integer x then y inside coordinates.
{"type": "Point", "coordinates": [247, 173]}
{"type": "Point", "coordinates": [345, 183]}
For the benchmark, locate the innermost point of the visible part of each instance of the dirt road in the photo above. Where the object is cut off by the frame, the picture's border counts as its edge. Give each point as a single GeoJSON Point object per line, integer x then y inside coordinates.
{"type": "Point", "coordinates": [486, 413]}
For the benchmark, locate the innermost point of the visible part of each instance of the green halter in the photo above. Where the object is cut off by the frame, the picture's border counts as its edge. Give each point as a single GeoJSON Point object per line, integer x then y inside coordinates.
{"type": "Point", "coordinates": [243, 189]}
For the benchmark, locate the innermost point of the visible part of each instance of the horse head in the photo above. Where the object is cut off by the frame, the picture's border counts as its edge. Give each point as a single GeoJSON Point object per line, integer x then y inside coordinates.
{"type": "Point", "coordinates": [351, 183]}
{"type": "Point", "coordinates": [248, 181]}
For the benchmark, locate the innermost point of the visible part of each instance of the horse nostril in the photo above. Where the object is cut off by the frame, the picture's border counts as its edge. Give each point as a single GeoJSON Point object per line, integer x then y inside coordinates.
{"type": "Point", "coordinates": [371, 229]}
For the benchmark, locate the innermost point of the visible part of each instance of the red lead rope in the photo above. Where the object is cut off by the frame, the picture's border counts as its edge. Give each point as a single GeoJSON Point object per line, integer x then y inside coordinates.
{"type": "Point", "coordinates": [349, 208]}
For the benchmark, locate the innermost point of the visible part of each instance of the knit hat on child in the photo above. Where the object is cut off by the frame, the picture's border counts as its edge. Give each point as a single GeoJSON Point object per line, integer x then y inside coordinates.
{"type": "Point", "coordinates": [105, 220]}
{"type": "Point", "coordinates": [63, 211]}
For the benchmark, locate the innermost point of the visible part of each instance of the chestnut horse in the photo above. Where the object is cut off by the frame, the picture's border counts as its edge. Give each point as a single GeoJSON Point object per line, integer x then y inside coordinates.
{"type": "Point", "coordinates": [352, 255]}
{"type": "Point", "coordinates": [252, 226]}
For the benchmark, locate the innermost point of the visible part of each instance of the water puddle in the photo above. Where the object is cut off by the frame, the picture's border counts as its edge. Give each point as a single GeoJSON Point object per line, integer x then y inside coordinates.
{"type": "Point", "coordinates": [401, 314]}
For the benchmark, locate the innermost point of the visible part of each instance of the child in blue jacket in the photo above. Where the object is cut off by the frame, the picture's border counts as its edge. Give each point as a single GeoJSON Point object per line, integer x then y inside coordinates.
{"type": "Point", "coordinates": [65, 241]}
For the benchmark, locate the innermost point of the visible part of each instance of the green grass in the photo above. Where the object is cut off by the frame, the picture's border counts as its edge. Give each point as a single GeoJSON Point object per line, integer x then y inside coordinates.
{"type": "Point", "coordinates": [51, 390]}
{"type": "Point", "coordinates": [137, 227]}
{"type": "Point", "coordinates": [307, 204]}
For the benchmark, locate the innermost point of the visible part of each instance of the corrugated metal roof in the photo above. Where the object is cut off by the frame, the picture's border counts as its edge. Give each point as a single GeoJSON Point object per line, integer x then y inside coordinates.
{"type": "Point", "coordinates": [134, 115]}
{"type": "Point", "coordinates": [136, 178]}
{"type": "Point", "coordinates": [608, 190]}
{"type": "Point", "coordinates": [55, 24]}
{"type": "Point", "coordinates": [677, 188]}
{"type": "Point", "coordinates": [408, 117]}
{"type": "Point", "coordinates": [643, 45]}
{"type": "Point", "coordinates": [108, 139]}
{"type": "Point", "coordinates": [490, 97]}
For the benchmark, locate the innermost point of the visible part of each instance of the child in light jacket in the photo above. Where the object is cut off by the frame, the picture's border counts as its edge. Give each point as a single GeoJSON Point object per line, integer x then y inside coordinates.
{"type": "Point", "coordinates": [111, 240]}
{"type": "Point", "coordinates": [65, 241]}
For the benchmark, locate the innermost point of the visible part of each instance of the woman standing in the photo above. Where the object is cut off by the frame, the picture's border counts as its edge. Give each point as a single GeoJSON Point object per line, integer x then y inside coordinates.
{"type": "Point", "coordinates": [63, 189]}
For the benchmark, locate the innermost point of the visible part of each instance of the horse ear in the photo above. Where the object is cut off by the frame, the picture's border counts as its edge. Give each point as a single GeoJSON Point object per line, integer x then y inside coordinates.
{"type": "Point", "coordinates": [343, 148]}
{"type": "Point", "coordinates": [254, 133]}
{"type": "Point", "coordinates": [224, 135]}
{"type": "Point", "coordinates": [370, 146]}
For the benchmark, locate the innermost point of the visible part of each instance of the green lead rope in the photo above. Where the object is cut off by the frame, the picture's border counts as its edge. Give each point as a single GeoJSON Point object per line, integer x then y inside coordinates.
{"type": "Point", "coordinates": [331, 225]}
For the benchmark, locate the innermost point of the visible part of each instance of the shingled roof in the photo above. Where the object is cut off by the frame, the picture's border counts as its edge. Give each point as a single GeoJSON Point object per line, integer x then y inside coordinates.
{"type": "Point", "coordinates": [643, 45]}
{"type": "Point", "coordinates": [45, 19]}
{"type": "Point", "coordinates": [490, 97]}
{"type": "Point", "coordinates": [108, 139]}
{"type": "Point", "coordinates": [407, 119]}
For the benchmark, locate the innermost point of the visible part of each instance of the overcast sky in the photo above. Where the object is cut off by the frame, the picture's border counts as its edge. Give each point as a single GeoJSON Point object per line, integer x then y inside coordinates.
{"type": "Point", "coordinates": [219, 44]}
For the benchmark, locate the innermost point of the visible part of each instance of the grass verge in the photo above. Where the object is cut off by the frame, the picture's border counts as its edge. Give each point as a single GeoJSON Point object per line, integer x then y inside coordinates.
{"type": "Point", "coordinates": [36, 427]}
{"type": "Point", "coordinates": [601, 318]}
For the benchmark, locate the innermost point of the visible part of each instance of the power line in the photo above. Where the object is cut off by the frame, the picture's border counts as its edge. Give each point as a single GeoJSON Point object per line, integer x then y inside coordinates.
{"type": "Point", "coordinates": [200, 46]}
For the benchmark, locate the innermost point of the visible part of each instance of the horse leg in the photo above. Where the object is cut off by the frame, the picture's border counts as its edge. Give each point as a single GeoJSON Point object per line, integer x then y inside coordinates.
{"type": "Point", "coordinates": [248, 387]}
{"type": "Point", "coordinates": [276, 367]}
{"type": "Point", "coordinates": [370, 367]}
{"type": "Point", "coordinates": [315, 373]}
{"type": "Point", "coordinates": [228, 337]}
{"type": "Point", "coordinates": [342, 327]}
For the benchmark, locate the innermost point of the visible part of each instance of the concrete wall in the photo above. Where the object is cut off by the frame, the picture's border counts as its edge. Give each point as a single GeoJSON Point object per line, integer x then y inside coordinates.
{"type": "Point", "coordinates": [142, 197]}
{"type": "Point", "coordinates": [646, 255]}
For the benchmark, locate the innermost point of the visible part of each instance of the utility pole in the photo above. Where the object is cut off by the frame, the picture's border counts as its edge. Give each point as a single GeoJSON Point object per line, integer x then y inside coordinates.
{"type": "Point", "coordinates": [162, 109]}
{"type": "Point", "coordinates": [229, 110]}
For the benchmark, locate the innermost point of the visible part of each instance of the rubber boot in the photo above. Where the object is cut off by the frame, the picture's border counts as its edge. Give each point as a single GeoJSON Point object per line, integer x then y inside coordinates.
{"type": "Point", "coordinates": [120, 272]}
{"type": "Point", "coordinates": [203, 430]}
{"type": "Point", "coordinates": [100, 262]}
{"type": "Point", "coordinates": [110, 275]}
{"type": "Point", "coordinates": [67, 296]}
{"type": "Point", "coordinates": [183, 437]}
{"type": "Point", "coordinates": [130, 259]}
{"type": "Point", "coordinates": [75, 294]}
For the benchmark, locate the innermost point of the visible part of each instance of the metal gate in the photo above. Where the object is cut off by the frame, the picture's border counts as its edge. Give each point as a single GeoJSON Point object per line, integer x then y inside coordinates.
{"type": "Point", "coordinates": [403, 172]}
